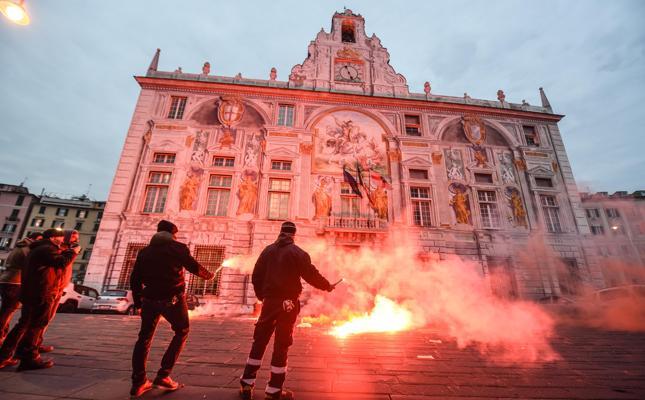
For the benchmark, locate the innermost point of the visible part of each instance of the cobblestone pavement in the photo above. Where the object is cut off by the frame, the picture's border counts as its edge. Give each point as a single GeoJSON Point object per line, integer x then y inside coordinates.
{"type": "Point", "coordinates": [93, 362]}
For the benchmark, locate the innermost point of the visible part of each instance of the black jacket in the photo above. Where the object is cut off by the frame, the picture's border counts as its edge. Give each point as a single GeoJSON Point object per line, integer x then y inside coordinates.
{"type": "Point", "coordinates": [158, 272]}
{"type": "Point", "coordinates": [16, 262]}
{"type": "Point", "coordinates": [279, 268]}
{"type": "Point", "coordinates": [45, 272]}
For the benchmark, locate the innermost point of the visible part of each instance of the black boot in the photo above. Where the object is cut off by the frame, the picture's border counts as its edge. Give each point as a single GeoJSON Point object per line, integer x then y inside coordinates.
{"type": "Point", "coordinates": [282, 395]}
{"type": "Point", "coordinates": [246, 391]}
{"type": "Point", "coordinates": [38, 363]}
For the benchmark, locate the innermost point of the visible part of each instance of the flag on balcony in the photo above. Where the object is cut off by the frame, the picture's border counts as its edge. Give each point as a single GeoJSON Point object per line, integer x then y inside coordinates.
{"type": "Point", "coordinates": [352, 182]}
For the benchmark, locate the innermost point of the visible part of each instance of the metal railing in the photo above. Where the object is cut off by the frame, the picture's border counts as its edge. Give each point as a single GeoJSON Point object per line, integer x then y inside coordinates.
{"type": "Point", "coordinates": [356, 223]}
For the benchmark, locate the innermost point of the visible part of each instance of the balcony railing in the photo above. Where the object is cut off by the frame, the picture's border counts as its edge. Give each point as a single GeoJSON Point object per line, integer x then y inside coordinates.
{"type": "Point", "coordinates": [356, 223]}
{"type": "Point", "coordinates": [12, 218]}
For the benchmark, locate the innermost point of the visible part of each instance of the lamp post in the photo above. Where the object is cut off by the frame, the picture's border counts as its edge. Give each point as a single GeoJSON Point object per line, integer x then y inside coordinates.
{"type": "Point", "coordinates": [15, 12]}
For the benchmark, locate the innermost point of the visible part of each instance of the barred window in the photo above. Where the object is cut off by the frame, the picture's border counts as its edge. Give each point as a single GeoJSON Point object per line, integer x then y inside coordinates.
{"type": "Point", "coordinates": [128, 264]}
{"type": "Point", "coordinates": [285, 115]}
{"type": "Point", "coordinates": [164, 158]}
{"type": "Point", "coordinates": [223, 162]}
{"type": "Point", "coordinates": [551, 214]}
{"type": "Point", "coordinates": [279, 198]}
{"type": "Point", "coordinates": [156, 192]}
{"type": "Point", "coordinates": [211, 258]}
{"type": "Point", "coordinates": [488, 208]}
{"type": "Point", "coordinates": [219, 193]}
{"type": "Point", "coordinates": [177, 106]}
{"type": "Point", "coordinates": [420, 198]}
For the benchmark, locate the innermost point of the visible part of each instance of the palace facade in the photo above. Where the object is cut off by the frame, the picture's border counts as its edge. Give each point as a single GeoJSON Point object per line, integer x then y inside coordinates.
{"type": "Point", "coordinates": [345, 150]}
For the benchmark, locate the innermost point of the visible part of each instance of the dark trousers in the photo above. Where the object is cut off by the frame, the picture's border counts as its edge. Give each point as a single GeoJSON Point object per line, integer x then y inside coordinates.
{"type": "Point", "coordinates": [177, 315]}
{"type": "Point", "coordinates": [279, 316]}
{"type": "Point", "coordinates": [26, 336]}
{"type": "Point", "coordinates": [10, 294]}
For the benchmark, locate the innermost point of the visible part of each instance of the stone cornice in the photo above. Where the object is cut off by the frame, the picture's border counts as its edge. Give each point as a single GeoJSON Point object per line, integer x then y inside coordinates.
{"type": "Point", "coordinates": [326, 97]}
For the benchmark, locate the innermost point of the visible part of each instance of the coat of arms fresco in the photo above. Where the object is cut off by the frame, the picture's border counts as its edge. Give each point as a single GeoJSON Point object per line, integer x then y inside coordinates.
{"type": "Point", "coordinates": [349, 138]}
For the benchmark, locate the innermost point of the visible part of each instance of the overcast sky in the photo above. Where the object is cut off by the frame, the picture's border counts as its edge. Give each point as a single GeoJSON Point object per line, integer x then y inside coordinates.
{"type": "Point", "coordinates": [67, 92]}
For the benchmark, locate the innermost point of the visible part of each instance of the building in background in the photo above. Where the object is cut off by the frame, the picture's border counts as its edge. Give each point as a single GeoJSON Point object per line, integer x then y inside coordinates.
{"type": "Point", "coordinates": [229, 158]}
{"type": "Point", "coordinates": [78, 213]}
{"type": "Point", "coordinates": [617, 224]}
{"type": "Point", "coordinates": [15, 204]}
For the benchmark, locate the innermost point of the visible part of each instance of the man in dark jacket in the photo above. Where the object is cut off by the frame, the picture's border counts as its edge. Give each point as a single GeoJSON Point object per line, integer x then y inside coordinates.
{"type": "Point", "coordinates": [276, 281]}
{"type": "Point", "coordinates": [47, 265]}
{"type": "Point", "coordinates": [10, 281]}
{"type": "Point", "coordinates": [158, 287]}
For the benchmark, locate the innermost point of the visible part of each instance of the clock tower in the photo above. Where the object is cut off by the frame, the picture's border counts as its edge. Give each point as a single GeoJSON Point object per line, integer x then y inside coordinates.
{"type": "Point", "coordinates": [346, 59]}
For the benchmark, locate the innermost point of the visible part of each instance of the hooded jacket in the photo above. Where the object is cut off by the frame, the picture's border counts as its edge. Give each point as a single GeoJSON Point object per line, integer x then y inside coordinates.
{"type": "Point", "coordinates": [46, 270]}
{"type": "Point", "coordinates": [16, 261]}
{"type": "Point", "coordinates": [158, 272]}
{"type": "Point", "coordinates": [279, 268]}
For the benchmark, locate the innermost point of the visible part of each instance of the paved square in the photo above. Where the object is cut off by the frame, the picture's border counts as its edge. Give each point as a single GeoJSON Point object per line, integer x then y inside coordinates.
{"type": "Point", "coordinates": [93, 362]}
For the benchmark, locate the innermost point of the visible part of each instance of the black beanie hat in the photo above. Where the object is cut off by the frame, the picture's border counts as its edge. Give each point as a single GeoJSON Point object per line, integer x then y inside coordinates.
{"type": "Point", "coordinates": [288, 227]}
{"type": "Point", "coordinates": [53, 232]}
{"type": "Point", "coordinates": [167, 226]}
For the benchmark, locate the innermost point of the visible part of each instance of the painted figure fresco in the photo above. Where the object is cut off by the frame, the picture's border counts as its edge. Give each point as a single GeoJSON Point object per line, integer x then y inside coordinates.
{"type": "Point", "coordinates": [252, 152]}
{"type": "Point", "coordinates": [459, 203]}
{"type": "Point", "coordinates": [199, 143]}
{"type": "Point", "coordinates": [188, 191]}
{"type": "Point", "coordinates": [454, 165]}
{"type": "Point", "coordinates": [248, 194]}
{"type": "Point", "coordinates": [506, 167]}
{"type": "Point", "coordinates": [517, 207]}
{"type": "Point", "coordinates": [346, 137]}
{"type": "Point", "coordinates": [322, 198]}
{"type": "Point", "coordinates": [379, 201]}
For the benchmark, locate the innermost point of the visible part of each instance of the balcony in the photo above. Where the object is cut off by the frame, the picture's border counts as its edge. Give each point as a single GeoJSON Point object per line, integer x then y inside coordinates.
{"type": "Point", "coordinates": [11, 218]}
{"type": "Point", "coordinates": [349, 223]}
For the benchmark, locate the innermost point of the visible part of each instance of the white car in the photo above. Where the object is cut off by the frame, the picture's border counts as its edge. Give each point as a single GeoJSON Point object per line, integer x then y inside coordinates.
{"type": "Point", "coordinates": [77, 298]}
{"type": "Point", "coordinates": [115, 300]}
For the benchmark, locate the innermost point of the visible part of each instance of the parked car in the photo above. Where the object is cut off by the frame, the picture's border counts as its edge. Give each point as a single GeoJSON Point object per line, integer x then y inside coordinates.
{"type": "Point", "coordinates": [618, 293]}
{"type": "Point", "coordinates": [115, 300]}
{"type": "Point", "coordinates": [77, 298]}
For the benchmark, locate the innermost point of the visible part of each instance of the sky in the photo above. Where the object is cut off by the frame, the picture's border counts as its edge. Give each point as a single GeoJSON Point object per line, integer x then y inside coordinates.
{"type": "Point", "coordinates": [67, 91]}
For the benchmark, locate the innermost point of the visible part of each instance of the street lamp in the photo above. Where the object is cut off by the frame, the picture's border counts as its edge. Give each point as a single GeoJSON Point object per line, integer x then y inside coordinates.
{"type": "Point", "coordinates": [15, 12]}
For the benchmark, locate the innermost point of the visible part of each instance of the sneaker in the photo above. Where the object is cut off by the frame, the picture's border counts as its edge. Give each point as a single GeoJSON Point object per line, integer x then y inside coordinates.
{"type": "Point", "coordinates": [283, 395]}
{"type": "Point", "coordinates": [246, 391]}
{"type": "Point", "coordinates": [9, 362]}
{"type": "Point", "coordinates": [45, 349]}
{"type": "Point", "coordinates": [167, 384]}
{"type": "Point", "coordinates": [139, 389]}
{"type": "Point", "coordinates": [38, 363]}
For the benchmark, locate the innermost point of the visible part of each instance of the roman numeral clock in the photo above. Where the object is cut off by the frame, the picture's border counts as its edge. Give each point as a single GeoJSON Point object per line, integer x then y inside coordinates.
{"type": "Point", "coordinates": [348, 72]}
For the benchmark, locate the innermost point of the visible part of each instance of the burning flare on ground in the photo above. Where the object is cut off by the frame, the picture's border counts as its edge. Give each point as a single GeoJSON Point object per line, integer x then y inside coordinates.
{"type": "Point", "coordinates": [387, 316]}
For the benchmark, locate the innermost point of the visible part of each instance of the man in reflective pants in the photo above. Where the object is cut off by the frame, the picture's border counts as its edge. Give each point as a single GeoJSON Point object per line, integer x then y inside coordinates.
{"type": "Point", "coordinates": [276, 281]}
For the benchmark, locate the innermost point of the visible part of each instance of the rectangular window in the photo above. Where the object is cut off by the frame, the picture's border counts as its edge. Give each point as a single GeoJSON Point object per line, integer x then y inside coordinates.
{"type": "Point", "coordinates": [551, 214]}
{"type": "Point", "coordinates": [279, 198]}
{"type": "Point", "coordinates": [281, 165]}
{"type": "Point", "coordinates": [62, 212]}
{"type": "Point", "coordinates": [502, 278]}
{"type": "Point", "coordinates": [37, 222]}
{"type": "Point", "coordinates": [42, 209]}
{"type": "Point", "coordinates": [544, 182]}
{"type": "Point", "coordinates": [92, 239]}
{"type": "Point", "coordinates": [5, 242]}
{"type": "Point", "coordinates": [285, 115]}
{"type": "Point", "coordinates": [20, 200]}
{"type": "Point", "coordinates": [488, 208]}
{"type": "Point", "coordinates": [420, 198]}
{"type": "Point", "coordinates": [597, 230]}
{"type": "Point", "coordinates": [14, 215]}
{"type": "Point", "coordinates": [78, 226]}
{"type": "Point", "coordinates": [350, 204]}
{"type": "Point", "coordinates": [618, 229]}
{"type": "Point", "coordinates": [99, 215]}
{"type": "Point", "coordinates": [219, 192]}
{"type": "Point", "coordinates": [128, 263]}
{"type": "Point", "coordinates": [531, 136]}
{"type": "Point", "coordinates": [593, 213]}
{"type": "Point", "coordinates": [612, 212]}
{"type": "Point", "coordinates": [412, 125]}
{"type": "Point", "coordinates": [96, 227]}
{"type": "Point", "coordinates": [58, 224]}
{"type": "Point", "coordinates": [483, 178]}
{"type": "Point", "coordinates": [211, 258]}
{"type": "Point", "coordinates": [81, 214]}
{"type": "Point", "coordinates": [164, 158]}
{"type": "Point", "coordinates": [223, 162]}
{"type": "Point", "coordinates": [87, 254]}
{"type": "Point", "coordinates": [9, 228]}
{"type": "Point", "coordinates": [177, 106]}
{"type": "Point", "coordinates": [156, 192]}
{"type": "Point", "coordinates": [418, 174]}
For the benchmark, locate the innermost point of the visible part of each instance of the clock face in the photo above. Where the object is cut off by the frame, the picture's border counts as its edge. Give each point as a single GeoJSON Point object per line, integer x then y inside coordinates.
{"type": "Point", "coordinates": [348, 72]}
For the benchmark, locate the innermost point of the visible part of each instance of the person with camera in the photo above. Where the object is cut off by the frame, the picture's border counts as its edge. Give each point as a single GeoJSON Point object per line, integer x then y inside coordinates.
{"type": "Point", "coordinates": [277, 283]}
{"type": "Point", "coordinates": [10, 281]}
{"type": "Point", "coordinates": [158, 286]}
{"type": "Point", "coordinates": [48, 265]}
